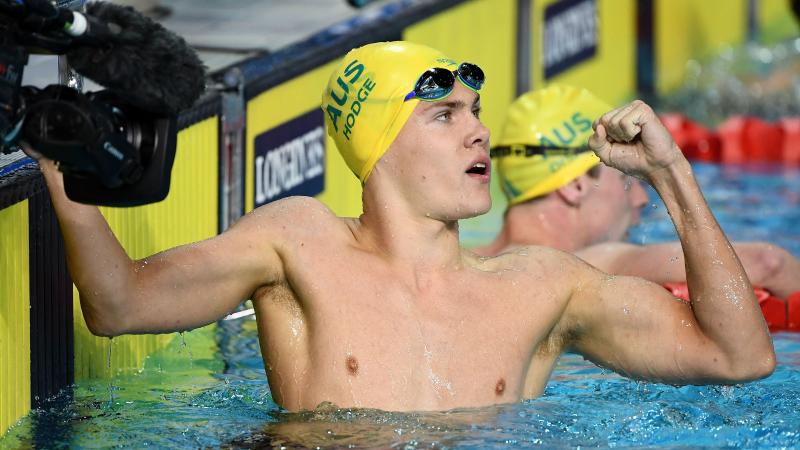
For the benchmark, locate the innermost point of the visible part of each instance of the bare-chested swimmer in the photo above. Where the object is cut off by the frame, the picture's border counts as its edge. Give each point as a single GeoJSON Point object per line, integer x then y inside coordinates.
{"type": "Point", "coordinates": [387, 310]}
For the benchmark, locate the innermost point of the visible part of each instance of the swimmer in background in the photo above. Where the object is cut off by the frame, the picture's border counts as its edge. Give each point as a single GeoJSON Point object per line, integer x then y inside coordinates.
{"type": "Point", "coordinates": [386, 310]}
{"type": "Point", "coordinates": [567, 199]}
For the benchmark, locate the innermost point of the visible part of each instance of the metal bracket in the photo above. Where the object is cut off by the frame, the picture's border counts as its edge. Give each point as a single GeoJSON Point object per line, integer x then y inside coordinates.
{"type": "Point", "coordinates": [231, 195]}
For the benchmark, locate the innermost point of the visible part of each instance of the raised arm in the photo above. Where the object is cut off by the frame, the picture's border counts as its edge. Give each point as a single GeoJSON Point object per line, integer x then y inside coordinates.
{"type": "Point", "coordinates": [633, 325]}
{"type": "Point", "coordinates": [182, 288]}
{"type": "Point", "coordinates": [767, 265]}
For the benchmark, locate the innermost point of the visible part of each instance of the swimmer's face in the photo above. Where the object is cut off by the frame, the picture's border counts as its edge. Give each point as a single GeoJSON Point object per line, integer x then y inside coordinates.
{"type": "Point", "coordinates": [613, 204]}
{"type": "Point", "coordinates": [440, 159]}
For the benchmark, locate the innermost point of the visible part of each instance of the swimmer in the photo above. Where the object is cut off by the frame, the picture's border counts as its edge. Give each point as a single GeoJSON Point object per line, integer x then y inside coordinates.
{"type": "Point", "coordinates": [386, 310]}
{"type": "Point", "coordinates": [570, 201]}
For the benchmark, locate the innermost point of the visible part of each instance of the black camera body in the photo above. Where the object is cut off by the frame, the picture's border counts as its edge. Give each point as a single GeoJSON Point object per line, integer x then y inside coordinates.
{"type": "Point", "coordinates": [111, 151]}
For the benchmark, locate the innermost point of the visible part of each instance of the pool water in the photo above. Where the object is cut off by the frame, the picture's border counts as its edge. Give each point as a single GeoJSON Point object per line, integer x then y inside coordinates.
{"type": "Point", "coordinates": [181, 401]}
{"type": "Point", "coordinates": [751, 203]}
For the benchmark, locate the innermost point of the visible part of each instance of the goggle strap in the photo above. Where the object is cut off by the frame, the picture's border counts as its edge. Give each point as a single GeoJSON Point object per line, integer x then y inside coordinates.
{"type": "Point", "coordinates": [533, 150]}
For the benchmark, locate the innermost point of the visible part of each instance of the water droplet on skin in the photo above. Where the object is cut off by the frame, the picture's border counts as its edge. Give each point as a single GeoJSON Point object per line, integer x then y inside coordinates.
{"type": "Point", "coordinates": [295, 326]}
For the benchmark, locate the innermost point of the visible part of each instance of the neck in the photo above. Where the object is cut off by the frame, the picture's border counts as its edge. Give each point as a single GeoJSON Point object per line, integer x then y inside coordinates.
{"type": "Point", "coordinates": [407, 238]}
{"type": "Point", "coordinates": [541, 222]}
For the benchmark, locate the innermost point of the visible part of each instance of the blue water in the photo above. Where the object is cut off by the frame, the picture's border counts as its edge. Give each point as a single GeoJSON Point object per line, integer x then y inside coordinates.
{"type": "Point", "coordinates": [180, 401]}
{"type": "Point", "coordinates": [751, 203]}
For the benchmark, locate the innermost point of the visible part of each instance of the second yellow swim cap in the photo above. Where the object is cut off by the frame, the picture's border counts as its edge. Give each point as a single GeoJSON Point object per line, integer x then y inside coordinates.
{"type": "Point", "coordinates": [364, 101]}
{"type": "Point", "coordinates": [556, 116]}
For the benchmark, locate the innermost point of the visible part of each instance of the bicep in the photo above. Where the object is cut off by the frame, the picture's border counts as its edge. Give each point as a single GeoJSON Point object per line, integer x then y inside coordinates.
{"type": "Point", "coordinates": [196, 284]}
{"type": "Point", "coordinates": [637, 328]}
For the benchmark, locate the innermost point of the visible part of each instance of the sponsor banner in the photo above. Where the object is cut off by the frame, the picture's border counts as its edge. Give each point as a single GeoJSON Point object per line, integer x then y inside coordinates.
{"type": "Point", "coordinates": [290, 159]}
{"type": "Point", "coordinates": [570, 35]}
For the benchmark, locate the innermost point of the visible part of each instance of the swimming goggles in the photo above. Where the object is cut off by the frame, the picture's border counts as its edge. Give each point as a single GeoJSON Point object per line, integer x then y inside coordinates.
{"type": "Point", "coordinates": [437, 83]}
{"type": "Point", "coordinates": [533, 150]}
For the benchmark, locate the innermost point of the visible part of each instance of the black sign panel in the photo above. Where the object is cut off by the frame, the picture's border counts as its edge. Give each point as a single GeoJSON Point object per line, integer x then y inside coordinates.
{"type": "Point", "coordinates": [570, 35]}
{"type": "Point", "coordinates": [290, 159]}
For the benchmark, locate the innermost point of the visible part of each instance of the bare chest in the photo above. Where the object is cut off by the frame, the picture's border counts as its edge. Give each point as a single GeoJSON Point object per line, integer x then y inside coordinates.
{"type": "Point", "coordinates": [363, 337]}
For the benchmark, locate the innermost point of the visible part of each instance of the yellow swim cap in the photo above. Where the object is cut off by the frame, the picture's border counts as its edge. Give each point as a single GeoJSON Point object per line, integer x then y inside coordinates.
{"type": "Point", "coordinates": [364, 101]}
{"type": "Point", "coordinates": [556, 116]}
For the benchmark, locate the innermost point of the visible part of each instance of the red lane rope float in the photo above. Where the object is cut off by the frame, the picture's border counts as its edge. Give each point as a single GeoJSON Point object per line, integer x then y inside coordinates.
{"type": "Point", "coordinates": [791, 140]}
{"type": "Point", "coordinates": [738, 140]}
{"type": "Point", "coordinates": [793, 312]}
{"type": "Point", "coordinates": [750, 139]}
{"type": "Point", "coordinates": [696, 141]}
{"type": "Point", "coordinates": [780, 314]}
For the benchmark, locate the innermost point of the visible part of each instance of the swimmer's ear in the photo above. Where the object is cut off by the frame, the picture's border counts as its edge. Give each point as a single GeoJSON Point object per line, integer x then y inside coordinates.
{"type": "Point", "coordinates": [575, 191]}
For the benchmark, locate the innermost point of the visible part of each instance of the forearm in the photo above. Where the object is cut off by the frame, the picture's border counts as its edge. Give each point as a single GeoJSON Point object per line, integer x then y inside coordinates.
{"type": "Point", "coordinates": [768, 266]}
{"type": "Point", "coordinates": [177, 289]}
{"type": "Point", "coordinates": [96, 261]}
{"type": "Point", "coordinates": [722, 298]}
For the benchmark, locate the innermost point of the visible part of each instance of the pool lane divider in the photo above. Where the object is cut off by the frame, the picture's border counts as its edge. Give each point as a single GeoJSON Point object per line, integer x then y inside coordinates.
{"type": "Point", "coordinates": [793, 312]}
{"type": "Point", "coordinates": [780, 314]}
{"type": "Point", "coordinates": [739, 139]}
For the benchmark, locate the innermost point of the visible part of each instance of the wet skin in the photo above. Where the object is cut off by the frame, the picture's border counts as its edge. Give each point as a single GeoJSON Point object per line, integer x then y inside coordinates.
{"type": "Point", "coordinates": [455, 336]}
{"type": "Point", "coordinates": [387, 311]}
{"type": "Point", "coordinates": [400, 334]}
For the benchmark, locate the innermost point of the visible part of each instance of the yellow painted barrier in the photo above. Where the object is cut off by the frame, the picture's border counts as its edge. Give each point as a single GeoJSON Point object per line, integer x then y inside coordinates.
{"type": "Point", "coordinates": [690, 29]}
{"type": "Point", "coordinates": [15, 362]}
{"type": "Point", "coordinates": [464, 34]}
{"type": "Point", "coordinates": [611, 72]}
{"type": "Point", "coordinates": [468, 38]}
{"type": "Point", "coordinates": [288, 101]}
{"type": "Point", "coordinates": [188, 214]}
{"type": "Point", "coordinates": [776, 21]}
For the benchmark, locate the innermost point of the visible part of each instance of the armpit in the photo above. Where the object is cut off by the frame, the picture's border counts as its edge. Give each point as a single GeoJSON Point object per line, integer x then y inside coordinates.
{"type": "Point", "coordinates": [561, 337]}
{"type": "Point", "coordinates": [279, 294]}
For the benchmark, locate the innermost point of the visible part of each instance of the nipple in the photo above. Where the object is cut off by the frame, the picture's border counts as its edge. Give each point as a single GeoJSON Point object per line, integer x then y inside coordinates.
{"type": "Point", "coordinates": [500, 387]}
{"type": "Point", "coordinates": [352, 365]}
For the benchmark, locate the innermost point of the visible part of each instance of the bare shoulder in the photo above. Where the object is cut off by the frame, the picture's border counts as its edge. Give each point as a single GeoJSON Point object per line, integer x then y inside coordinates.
{"type": "Point", "coordinates": [539, 268]}
{"type": "Point", "coordinates": [543, 280]}
{"type": "Point", "coordinates": [530, 259]}
{"type": "Point", "coordinates": [292, 217]}
{"type": "Point", "coordinates": [560, 275]}
{"type": "Point", "coordinates": [291, 208]}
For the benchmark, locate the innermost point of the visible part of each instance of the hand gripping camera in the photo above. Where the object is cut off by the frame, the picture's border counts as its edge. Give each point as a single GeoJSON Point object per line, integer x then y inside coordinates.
{"type": "Point", "coordinates": [116, 147]}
